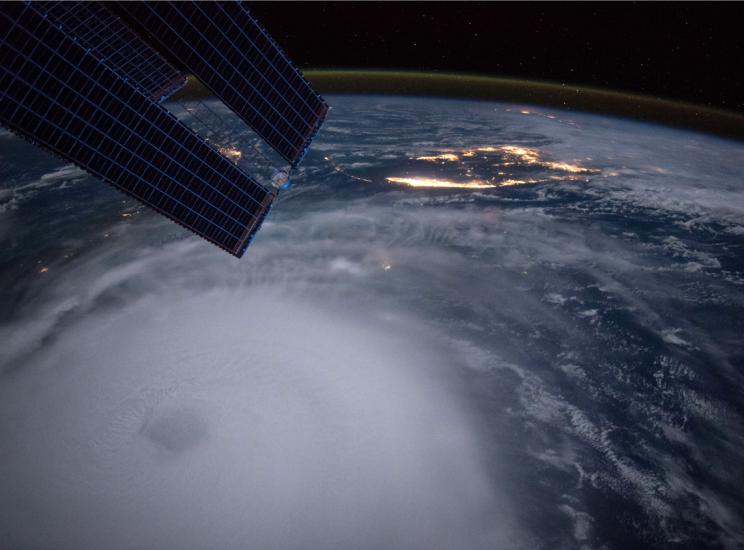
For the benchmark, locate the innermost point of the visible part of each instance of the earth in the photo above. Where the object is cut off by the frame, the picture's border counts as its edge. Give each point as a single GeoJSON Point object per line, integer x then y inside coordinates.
{"type": "Point", "coordinates": [466, 324]}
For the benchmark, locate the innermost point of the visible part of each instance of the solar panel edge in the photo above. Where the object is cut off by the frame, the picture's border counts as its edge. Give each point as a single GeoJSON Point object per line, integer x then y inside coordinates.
{"type": "Point", "coordinates": [313, 133]}
{"type": "Point", "coordinates": [238, 251]}
{"type": "Point", "coordinates": [169, 89]}
{"type": "Point", "coordinates": [250, 232]}
{"type": "Point", "coordinates": [31, 133]}
{"type": "Point", "coordinates": [321, 119]}
{"type": "Point", "coordinates": [146, 18]}
{"type": "Point", "coordinates": [297, 72]}
{"type": "Point", "coordinates": [281, 51]}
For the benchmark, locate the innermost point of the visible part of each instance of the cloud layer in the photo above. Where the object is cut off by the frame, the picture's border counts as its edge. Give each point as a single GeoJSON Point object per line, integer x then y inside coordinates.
{"type": "Point", "coordinates": [193, 415]}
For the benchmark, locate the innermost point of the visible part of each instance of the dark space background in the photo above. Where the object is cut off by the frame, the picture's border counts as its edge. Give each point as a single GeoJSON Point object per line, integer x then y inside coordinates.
{"type": "Point", "coordinates": [687, 51]}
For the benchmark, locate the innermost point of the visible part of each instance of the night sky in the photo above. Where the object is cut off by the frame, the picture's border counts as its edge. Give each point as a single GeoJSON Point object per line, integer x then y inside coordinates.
{"type": "Point", "coordinates": [691, 52]}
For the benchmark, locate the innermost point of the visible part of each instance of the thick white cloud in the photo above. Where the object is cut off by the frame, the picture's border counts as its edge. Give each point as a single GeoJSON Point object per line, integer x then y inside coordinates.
{"type": "Point", "coordinates": [234, 416]}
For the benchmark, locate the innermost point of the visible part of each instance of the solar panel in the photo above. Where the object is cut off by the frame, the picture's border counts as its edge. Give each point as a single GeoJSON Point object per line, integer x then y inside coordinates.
{"type": "Point", "coordinates": [231, 54]}
{"type": "Point", "coordinates": [96, 27]}
{"type": "Point", "coordinates": [58, 94]}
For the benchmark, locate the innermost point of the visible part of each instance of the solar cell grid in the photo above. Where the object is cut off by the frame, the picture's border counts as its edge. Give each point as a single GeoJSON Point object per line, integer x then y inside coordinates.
{"type": "Point", "coordinates": [185, 179]}
{"type": "Point", "coordinates": [226, 49]}
{"type": "Point", "coordinates": [97, 28]}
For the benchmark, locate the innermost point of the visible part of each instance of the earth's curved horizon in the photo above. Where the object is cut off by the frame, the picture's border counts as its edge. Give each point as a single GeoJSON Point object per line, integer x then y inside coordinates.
{"type": "Point", "coordinates": [578, 97]}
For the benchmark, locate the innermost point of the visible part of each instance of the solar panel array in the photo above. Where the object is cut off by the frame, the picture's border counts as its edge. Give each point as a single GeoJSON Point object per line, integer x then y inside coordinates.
{"type": "Point", "coordinates": [96, 27]}
{"type": "Point", "coordinates": [61, 96]}
{"type": "Point", "coordinates": [232, 55]}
